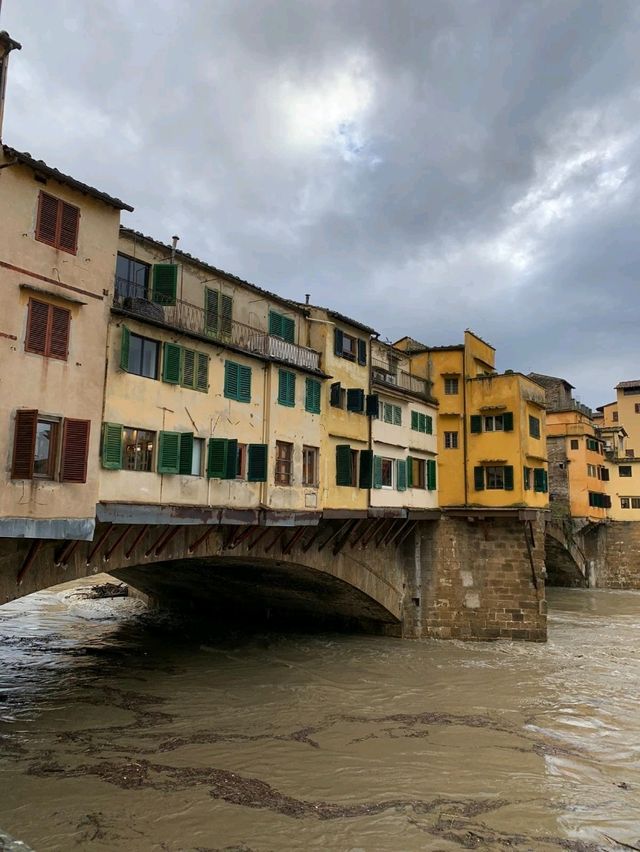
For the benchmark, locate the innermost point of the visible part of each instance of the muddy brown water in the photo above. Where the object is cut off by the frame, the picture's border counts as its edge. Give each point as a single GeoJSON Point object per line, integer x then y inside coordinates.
{"type": "Point", "coordinates": [122, 730]}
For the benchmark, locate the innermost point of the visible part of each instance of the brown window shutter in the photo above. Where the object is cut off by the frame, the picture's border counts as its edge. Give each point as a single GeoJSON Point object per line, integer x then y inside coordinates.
{"type": "Point", "coordinates": [68, 238]}
{"type": "Point", "coordinates": [37, 323]}
{"type": "Point", "coordinates": [75, 450]}
{"type": "Point", "coordinates": [59, 333]}
{"type": "Point", "coordinates": [48, 214]}
{"type": "Point", "coordinates": [24, 444]}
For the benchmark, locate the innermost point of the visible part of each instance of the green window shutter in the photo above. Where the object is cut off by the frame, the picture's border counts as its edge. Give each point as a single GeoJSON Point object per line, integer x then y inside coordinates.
{"type": "Point", "coordinates": [476, 424]}
{"type": "Point", "coordinates": [428, 426]}
{"type": "Point", "coordinates": [362, 352]}
{"type": "Point", "coordinates": [286, 388]}
{"type": "Point", "coordinates": [171, 363]}
{"type": "Point", "coordinates": [231, 371]}
{"type": "Point", "coordinates": [275, 323]}
{"type": "Point", "coordinates": [288, 329]}
{"type": "Point", "coordinates": [202, 371]}
{"type": "Point", "coordinates": [538, 479]}
{"type": "Point", "coordinates": [169, 452]}
{"type": "Point", "coordinates": [217, 458]}
{"type": "Point", "coordinates": [377, 472]}
{"type": "Point", "coordinates": [226, 315]}
{"type": "Point", "coordinates": [335, 394]}
{"type": "Point", "coordinates": [397, 415]}
{"type": "Point", "coordinates": [231, 462]}
{"type": "Point", "coordinates": [545, 481]}
{"type": "Point", "coordinates": [478, 478]}
{"type": "Point", "coordinates": [257, 463]}
{"type": "Point", "coordinates": [432, 475]}
{"type": "Point", "coordinates": [165, 283]}
{"type": "Point", "coordinates": [124, 349]}
{"type": "Point", "coordinates": [338, 340]}
{"type": "Point", "coordinates": [387, 410]}
{"type": "Point", "coordinates": [366, 469]}
{"type": "Point", "coordinates": [186, 453]}
{"type": "Point", "coordinates": [372, 405]}
{"type": "Point", "coordinates": [525, 478]}
{"type": "Point", "coordinates": [409, 472]}
{"type": "Point", "coordinates": [355, 400]}
{"type": "Point", "coordinates": [415, 421]}
{"type": "Point", "coordinates": [188, 368]}
{"type": "Point", "coordinates": [312, 396]}
{"type": "Point", "coordinates": [343, 464]}
{"type": "Point", "coordinates": [244, 384]}
{"type": "Point", "coordinates": [112, 446]}
{"type": "Point", "coordinates": [507, 421]}
{"type": "Point", "coordinates": [211, 311]}
{"type": "Point", "coordinates": [508, 478]}
{"type": "Point", "coordinates": [401, 475]}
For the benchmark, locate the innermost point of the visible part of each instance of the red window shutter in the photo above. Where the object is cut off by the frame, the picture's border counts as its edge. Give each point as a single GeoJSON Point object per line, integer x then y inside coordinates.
{"type": "Point", "coordinates": [59, 334]}
{"type": "Point", "coordinates": [68, 238]}
{"type": "Point", "coordinates": [48, 214]}
{"type": "Point", "coordinates": [37, 323]}
{"type": "Point", "coordinates": [24, 444]}
{"type": "Point", "coordinates": [75, 450]}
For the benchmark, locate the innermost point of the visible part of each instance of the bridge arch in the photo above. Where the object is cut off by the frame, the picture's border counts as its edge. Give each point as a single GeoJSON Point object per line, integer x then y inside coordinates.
{"type": "Point", "coordinates": [565, 562]}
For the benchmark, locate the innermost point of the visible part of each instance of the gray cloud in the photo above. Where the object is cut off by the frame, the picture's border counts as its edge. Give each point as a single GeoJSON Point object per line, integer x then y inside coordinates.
{"type": "Point", "coordinates": [423, 166]}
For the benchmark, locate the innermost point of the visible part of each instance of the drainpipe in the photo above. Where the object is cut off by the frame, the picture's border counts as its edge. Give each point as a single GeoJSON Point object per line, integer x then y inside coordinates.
{"type": "Point", "coordinates": [464, 428]}
{"type": "Point", "coordinates": [7, 44]}
{"type": "Point", "coordinates": [266, 428]}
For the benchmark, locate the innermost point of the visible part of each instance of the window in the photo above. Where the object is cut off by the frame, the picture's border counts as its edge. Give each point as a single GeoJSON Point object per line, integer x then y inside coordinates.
{"type": "Point", "coordinates": [636, 408]}
{"type": "Point", "coordinates": [391, 413]}
{"type": "Point", "coordinates": [591, 470]}
{"type": "Point", "coordinates": [635, 502]}
{"type": "Point", "coordinates": [631, 391]}
{"type": "Point", "coordinates": [218, 313]}
{"type": "Point", "coordinates": [132, 278]}
{"type": "Point", "coordinates": [312, 389]}
{"type": "Point", "coordinates": [57, 223]}
{"type": "Point", "coordinates": [417, 468]}
{"type": "Point", "coordinates": [286, 388]}
{"type": "Point", "coordinates": [237, 381]}
{"type": "Point", "coordinates": [139, 355]}
{"type": "Point", "coordinates": [282, 326]}
{"type": "Point", "coordinates": [241, 461]}
{"type": "Point", "coordinates": [284, 463]}
{"type": "Point", "coordinates": [451, 387]}
{"type": "Point", "coordinates": [575, 444]}
{"type": "Point", "coordinates": [347, 466]}
{"type": "Point", "coordinates": [614, 415]}
{"type": "Point", "coordinates": [48, 448]}
{"type": "Point", "coordinates": [624, 503]}
{"type": "Point", "coordinates": [355, 400]}
{"type": "Point", "coordinates": [491, 423]}
{"type": "Point", "coordinates": [495, 477]}
{"type": "Point", "coordinates": [185, 367]}
{"type": "Point", "coordinates": [451, 440]}
{"type": "Point", "coordinates": [592, 445]}
{"type": "Point", "coordinates": [352, 348]}
{"type": "Point", "coordinates": [494, 423]}
{"type": "Point", "coordinates": [625, 470]}
{"type": "Point", "coordinates": [310, 466]}
{"type": "Point", "coordinates": [386, 473]}
{"type": "Point", "coordinates": [421, 422]}
{"type": "Point", "coordinates": [534, 426]}
{"type": "Point", "coordinates": [138, 449]}
{"type": "Point", "coordinates": [599, 501]}
{"type": "Point", "coordinates": [47, 330]}
{"type": "Point", "coordinates": [197, 455]}
{"type": "Point", "coordinates": [526, 478]}
{"type": "Point", "coordinates": [630, 454]}
{"type": "Point", "coordinates": [540, 480]}
{"type": "Point", "coordinates": [337, 395]}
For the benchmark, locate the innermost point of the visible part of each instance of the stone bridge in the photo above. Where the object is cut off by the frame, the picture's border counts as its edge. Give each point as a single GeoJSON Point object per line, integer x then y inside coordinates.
{"type": "Point", "coordinates": [468, 575]}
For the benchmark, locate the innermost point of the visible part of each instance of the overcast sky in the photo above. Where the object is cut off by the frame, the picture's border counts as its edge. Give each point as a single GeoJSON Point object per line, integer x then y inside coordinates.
{"type": "Point", "coordinates": [423, 166]}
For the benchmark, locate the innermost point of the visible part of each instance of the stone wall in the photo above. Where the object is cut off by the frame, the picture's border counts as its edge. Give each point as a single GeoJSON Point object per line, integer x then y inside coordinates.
{"type": "Point", "coordinates": [558, 477]}
{"type": "Point", "coordinates": [619, 566]}
{"type": "Point", "coordinates": [481, 581]}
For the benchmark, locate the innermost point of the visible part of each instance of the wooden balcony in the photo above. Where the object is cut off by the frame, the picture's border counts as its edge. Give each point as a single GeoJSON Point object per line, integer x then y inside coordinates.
{"type": "Point", "coordinates": [383, 374]}
{"type": "Point", "coordinates": [222, 330]}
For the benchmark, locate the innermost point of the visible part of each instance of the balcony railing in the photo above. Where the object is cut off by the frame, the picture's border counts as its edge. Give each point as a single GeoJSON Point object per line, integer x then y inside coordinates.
{"type": "Point", "coordinates": [382, 374]}
{"type": "Point", "coordinates": [134, 299]}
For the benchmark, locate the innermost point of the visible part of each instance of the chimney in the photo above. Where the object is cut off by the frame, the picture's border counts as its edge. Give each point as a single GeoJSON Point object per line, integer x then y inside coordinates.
{"type": "Point", "coordinates": [174, 245]}
{"type": "Point", "coordinates": [7, 44]}
{"type": "Point", "coordinates": [307, 298]}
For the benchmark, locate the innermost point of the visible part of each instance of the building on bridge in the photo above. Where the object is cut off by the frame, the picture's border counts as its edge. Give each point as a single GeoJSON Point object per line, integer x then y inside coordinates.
{"type": "Point", "coordinates": [619, 425]}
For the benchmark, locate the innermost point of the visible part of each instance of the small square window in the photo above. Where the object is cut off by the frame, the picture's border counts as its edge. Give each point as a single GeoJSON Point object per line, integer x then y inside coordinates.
{"type": "Point", "coordinates": [495, 477]}
{"type": "Point", "coordinates": [625, 470]}
{"type": "Point", "coordinates": [418, 473]}
{"type": "Point", "coordinates": [46, 448]}
{"type": "Point", "coordinates": [143, 356]}
{"type": "Point", "coordinates": [284, 463]}
{"type": "Point", "coordinates": [310, 466]}
{"type": "Point", "coordinates": [575, 444]}
{"type": "Point", "coordinates": [386, 468]}
{"type": "Point", "coordinates": [635, 502]}
{"type": "Point", "coordinates": [451, 387]}
{"type": "Point", "coordinates": [451, 440]}
{"type": "Point", "coordinates": [139, 445]}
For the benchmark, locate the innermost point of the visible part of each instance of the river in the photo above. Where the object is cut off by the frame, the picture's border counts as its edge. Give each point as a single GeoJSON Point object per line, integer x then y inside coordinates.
{"type": "Point", "coordinates": [124, 730]}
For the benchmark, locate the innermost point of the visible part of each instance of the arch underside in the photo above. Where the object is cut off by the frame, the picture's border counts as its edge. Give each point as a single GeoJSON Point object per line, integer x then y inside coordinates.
{"type": "Point", "coordinates": [230, 589]}
{"type": "Point", "coordinates": [562, 568]}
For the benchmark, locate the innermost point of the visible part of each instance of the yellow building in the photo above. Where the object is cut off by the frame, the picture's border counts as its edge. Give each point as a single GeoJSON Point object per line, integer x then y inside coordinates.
{"type": "Point", "coordinates": [620, 430]}
{"type": "Point", "coordinates": [404, 433]}
{"type": "Point", "coordinates": [491, 448]}
{"type": "Point", "coordinates": [58, 243]}
{"type": "Point", "coordinates": [345, 449]}
{"type": "Point", "coordinates": [213, 395]}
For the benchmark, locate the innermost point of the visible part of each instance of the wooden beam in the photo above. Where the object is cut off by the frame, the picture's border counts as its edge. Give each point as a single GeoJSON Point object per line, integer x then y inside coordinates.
{"type": "Point", "coordinates": [239, 538]}
{"type": "Point", "coordinates": [174, 531]}
{"type": "Point", "coordinates": [36, 544]}
{"type": "Point", "coordinates": [375, 526]}
{"type": "Point", "coordinates": [195, 544]}
{"type": "Point", "coordinates": [405, 535]}
{"type": "Point", "coordinates": [288, 547]}
{"type": "Point", "coordinates": [340, 543]}
{"type": "Point", "coordinates": [259, 537]}
{"type": "Point", "coordinates": [334, 535]}
{"type": "Point", "coordinates": [111, 551]}
{"type": "Point", "coordinates": [98, 544]}
{"type": "Point", "coordinates": [137, 539]}
{"type": "Point", "coordinates": [279, 534]}
{"type": "Point", "coordinates": [66, 553]}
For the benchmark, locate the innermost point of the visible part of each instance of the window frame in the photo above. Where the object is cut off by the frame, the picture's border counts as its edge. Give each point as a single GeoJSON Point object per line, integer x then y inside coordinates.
{"type": "Point", "coordinates": [391, 464]}
{"type": "Point", "coordinates": [625, 467]}
{"type": "Point", "coordinates": [241, 461]}
{"type": "Point", "coordinates": [495, 474]}
{"type": "Point", "coordinates": [145, 340]}
{"type": "Point", "coordinates": [451, 386]}
{"type": "Point", "coordinates": [283, 472]}
{"type": "Point", "coordinates": [151, 454]}
{"type": "Point", "coordinates": [56, 241]}
{"type": "Point", "coordinates": [132, 289]}
{"type": "Point", "coordinates": [419, 467]}
{"type": "Point", "coordinates": [54, 447]}
{"type": "Point", "coordinates": [493, 423]}
{"type": "Point", "coordinates": [48, 336]}
{"type": "Point", "coordinates": [451, 440]}
{"type": "Point", "coordinates": [313, 453]}
{"type": "Point", "coordinates": [534, 426]}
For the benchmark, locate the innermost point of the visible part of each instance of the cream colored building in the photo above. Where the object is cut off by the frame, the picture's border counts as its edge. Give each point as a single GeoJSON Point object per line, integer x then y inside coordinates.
{"type": "Point", "coordinates": [213, 395]}
{"type": "Point", "coordinates": [58, 243]}
{"type": "Point", "coordinates": [404, 433]}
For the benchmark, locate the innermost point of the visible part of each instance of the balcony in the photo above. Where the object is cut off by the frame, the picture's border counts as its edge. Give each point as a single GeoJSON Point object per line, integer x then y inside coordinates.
{"type": "Point", "coordinates": [382, 374]}
{"type": "Point", "coordinates": [222, 330]}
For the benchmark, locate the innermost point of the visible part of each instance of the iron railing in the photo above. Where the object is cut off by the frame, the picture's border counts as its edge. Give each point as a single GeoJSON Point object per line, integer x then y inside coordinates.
{"type": "Point", "coordinates": [185, 316]}
{"type": "Point", "coordinates": [382, 374]}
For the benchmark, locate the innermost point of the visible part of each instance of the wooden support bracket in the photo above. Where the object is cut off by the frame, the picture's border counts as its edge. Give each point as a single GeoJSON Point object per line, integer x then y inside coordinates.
{"type": "Point", "coordinates": [66, 553]}
{"type": "Point", "coordinates": [172, 534]}
{"type": "Point", "coordinates": [36, 544]}
{"type": "Point", "coordinates": [195, 544]}
{"type": "Point", "coordinates": [137, 539]}
{"type": "Point", "coordinates": [288, 547]}
{"type": "Point", "coordinates": [109, 553]}
{"type": "Point", "coordinates": [98, 544]}
{"type": "Point", "coordinates": [158, 541]}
